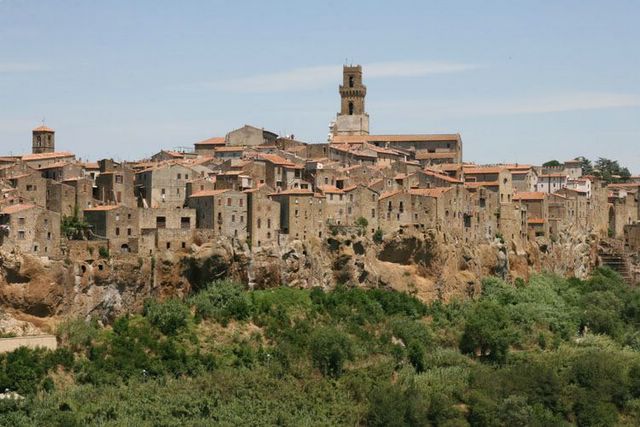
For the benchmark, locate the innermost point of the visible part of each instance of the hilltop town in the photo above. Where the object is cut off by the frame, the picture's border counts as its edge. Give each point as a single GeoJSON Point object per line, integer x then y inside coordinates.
{"type": "Point", "coordinates": [412, 198]}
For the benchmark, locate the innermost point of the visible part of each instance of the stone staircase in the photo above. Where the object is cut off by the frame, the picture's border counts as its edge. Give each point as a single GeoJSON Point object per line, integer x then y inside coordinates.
{"type": "Point", "coordinates": [611, 254]}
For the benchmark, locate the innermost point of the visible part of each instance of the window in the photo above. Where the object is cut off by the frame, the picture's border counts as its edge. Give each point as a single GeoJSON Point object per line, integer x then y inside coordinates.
{"type": "Point", "coordinates": [168, 245]}
{"type": "Point", "coordinates": [20, 221]}
{"type": "Point", "coordinates": [179, 176]}
{"type": "Point", "coordinates": [117, 231]}
{"type": "Point", "coordinates": [241, 202]}
{"type": "Point", "coordinates": [186, 176]}
{"type": "Point", "coordinates": [178, 191]}
{"type": "Point", "coordinates": [351, 108]}
{"type": "Point", "coordinates": [21, 235]}
{"type": "Point", "coordinates": [233, 218]}
{"type": "Point", "coordinates": [128, 231]}
{"type": "Point", "coordinates": [161, 222]}
{"type": "Point", "coordinates": [49, 236]}
{"type": "Point", "coordinates": [373, 213]}
{"type": "Point", "coordinates": [351, 81]}
{"type": "Point", "coordinates": [185, 222]}
{"type": "Point", "coordinates": [269, 223]}
{"type": "Point", "coordinates": [162, 191]}
{"type": "Point", "coordinates": [118, 179]}
{"type": "Point", "coordinates": [259, 223]}
{"type": "Point", "coordinates": [228, 201]}
{"type": "Point", "coordinates": [184, 245]}
{"type": "Point", "coordinates": [326, 180]}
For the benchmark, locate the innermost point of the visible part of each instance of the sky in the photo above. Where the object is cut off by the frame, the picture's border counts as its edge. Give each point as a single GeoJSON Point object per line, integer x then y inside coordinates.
{"type": "Point", "coordinates": [521, 81]}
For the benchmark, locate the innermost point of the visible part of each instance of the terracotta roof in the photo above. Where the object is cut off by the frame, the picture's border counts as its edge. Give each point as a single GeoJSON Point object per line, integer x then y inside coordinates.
{"type": "Point", "coordinates": [473, 184]}
{"type": "Point", "coordinates": [8, 210]}
{"type": "Point", "coordinates": [102, 208]}
{"type": "Point", "coordinates": [276, 160]}
{"type": "Point", "coordinates": [349, 188]}
{"type": "Point", "coordinates": [228, 149]}
{"type": "Point", "coordinates": [395, 138]}
{"type": "Point", "coordinates": [174, 154]}
{"type": "Point", "coordinates": [294, 191]}
{"type": "Point", "coordinates": [91, 165]}
{"type": "Point", "coordinates": [44, 156]}
{"type": "Point", "coordinates": [552, 175]}
{"type": "Point", "coordinates": [330, 189]}
{"type": "Point", "coordinates": [389, 194]}
{"type": "Point", "coordinates": [216, 140]}
{"type": "Point", "coordinates": [209, 193]}
{"type": "Point", "coordinates": [55, 165]}
{"type": "Point", "coordinates": [441, 176]}
{"type": "Point", "coordinates": [43, 128]}
{"type": "Point", "coordinates": [529, 195]}
{"type": "Point", "coordinates": [429, 192]}
{"type": "Point", "coordinates": [536, 221]}
{"type": "Point", "coordinates": [482, 170]}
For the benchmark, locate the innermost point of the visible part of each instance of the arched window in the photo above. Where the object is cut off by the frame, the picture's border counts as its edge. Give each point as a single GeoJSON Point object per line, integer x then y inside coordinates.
{"type": "Point", "coordinates": [351, 108]}
{"type": "Point", "coordinates": [350, 81]}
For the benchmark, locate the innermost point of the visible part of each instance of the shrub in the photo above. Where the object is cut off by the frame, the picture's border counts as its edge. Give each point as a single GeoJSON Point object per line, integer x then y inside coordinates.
{"type": "Point", "coordinates": [169, 317]}
{"type": "Point", "coordinates": [378, 236]}
{"type": "Point", "coordinates": [330, 349]}
{"type": "Point", "coordinates": [222, 301]}
{"type": "Point", "coordinates": [487, 331]}
{"type": "Point", "coordinates": [103, 251]}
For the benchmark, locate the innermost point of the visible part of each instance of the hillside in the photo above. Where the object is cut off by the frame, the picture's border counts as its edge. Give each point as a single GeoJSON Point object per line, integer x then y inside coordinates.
{"type": "Point", "coordinates": [549, 351]}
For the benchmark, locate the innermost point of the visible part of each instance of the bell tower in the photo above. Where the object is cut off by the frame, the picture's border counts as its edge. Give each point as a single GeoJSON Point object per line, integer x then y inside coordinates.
{"type": "Point", "coordinates": [352, 118]}
{"type": "Point", "coordinates": [44, 140]}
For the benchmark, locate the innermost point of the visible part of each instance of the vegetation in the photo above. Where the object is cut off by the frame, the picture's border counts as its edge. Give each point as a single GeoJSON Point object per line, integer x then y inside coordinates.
{"type": "Point", "coordinates": [552, 163]}
{"type": "Point", "coordinates": [73, 228]}
{"type": "Point", "coordinates": [547, 352]}
{"type": "Point", "coordinates": [606, 169]}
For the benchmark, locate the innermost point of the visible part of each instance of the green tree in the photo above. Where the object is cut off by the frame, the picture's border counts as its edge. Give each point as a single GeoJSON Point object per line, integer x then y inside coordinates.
{"type": "Point", "coordinates": [610, 170]}
{"type": "Point", "coordinates": [488, 332]}
{"type": "Point", "coordinates": [170, 317]}
{"type": "Point", "coordinates": [330, 349]}
{"type": "Point", "coordinates": [552, 163]}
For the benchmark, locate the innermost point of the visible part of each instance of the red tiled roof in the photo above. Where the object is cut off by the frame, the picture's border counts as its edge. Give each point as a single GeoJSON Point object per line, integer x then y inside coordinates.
{"type": "Point", "coordinates": [43, 128]}
{"type": "Point", "coordinates": [529, 195]}
{"type": "Point", "coordinates": [536, 221]}
{"type": "Point", "coordinates": [473, 184]}
{"type": "Point", "coordinates": [294, 191]}
{"type": "Point", "coordinates": [441, 176]}
{"type": "Point", "coordinates": [216, 140]}
{"type": "Point", "coordinates": [45, 156]}
{"type": "Point", "coordinates": [395, 138]}
{"type": "Point", "coordinates": [8, 210]}
{"type": "Point", "coordinates": [482, 170]}
{"type": "Point", "coordinates": [330, 189]}
{"type": "Point", "coordinates": [389, 194]}
{"type": "Point", "coordinates": [228, 149]}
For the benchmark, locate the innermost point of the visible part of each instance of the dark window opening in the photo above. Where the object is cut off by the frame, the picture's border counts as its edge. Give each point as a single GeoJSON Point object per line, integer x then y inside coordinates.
{"type": "Point", "coordinates": [351, 108]}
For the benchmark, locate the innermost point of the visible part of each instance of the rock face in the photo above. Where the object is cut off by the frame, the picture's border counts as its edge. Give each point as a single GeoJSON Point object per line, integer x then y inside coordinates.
{"type": "Point", "coordinates": [42, 292]}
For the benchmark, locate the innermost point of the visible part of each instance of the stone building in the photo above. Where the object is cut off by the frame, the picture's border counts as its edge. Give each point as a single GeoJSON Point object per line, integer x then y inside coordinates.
{"type": "Point", "coordinates": [352, 118]}
{"type": "Point", "coordinates": [250, 136]}
{"type": "Point", "coordinates": [263, 217]}
{"type": "Point", "coordinates": [118, 224]}
{"type": "Point", "coordinates": [41, 160]}
{"type": "Point", "coordinates": [208, 146]}
{"type": "Point", "coordinates": [31, 188]}
{"type": "Point", "coordinates": [302, 214]}
{"type": "Point", "coordinates": [61, 198]}
{"type": "Point", "coordinates": [164, 185]}
{"type": "Point", "coordinates": [224, 211]}
{"type": "Point", "coordinates": [115, 184]}
{"type": "Point", "coordinates": [30, 229]}
{"type": "Point", "coordinates": [280, 173]}
{"type": "Point", "coordinates": [537, 212]}
{"type": "Point", "coordinates": [43, 140]}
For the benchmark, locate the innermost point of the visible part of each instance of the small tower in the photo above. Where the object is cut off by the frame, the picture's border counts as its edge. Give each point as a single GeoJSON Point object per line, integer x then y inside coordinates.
{"type": "Point", "coordinates": [44, 140]}
{"type": "Point", "coordinates": [352, 118]}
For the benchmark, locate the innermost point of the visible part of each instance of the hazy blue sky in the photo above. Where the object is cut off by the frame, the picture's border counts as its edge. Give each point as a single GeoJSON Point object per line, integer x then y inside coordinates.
{"type": "Point", "coordinates": [521, 81]}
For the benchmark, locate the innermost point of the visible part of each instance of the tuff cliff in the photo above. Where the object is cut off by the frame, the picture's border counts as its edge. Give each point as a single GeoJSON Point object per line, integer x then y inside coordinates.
{"type": "Point", "coordinates": [42, 292]}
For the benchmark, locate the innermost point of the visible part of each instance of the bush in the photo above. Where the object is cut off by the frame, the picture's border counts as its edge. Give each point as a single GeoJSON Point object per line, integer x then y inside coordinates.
{"type": "Point", "coordinates": [330, 349]}
{"type": "Point", "coordinates": [222, 301]}
{"type": "Point", "coordinates": [378, 236]}
{"type": "Point", "coordinates": [169, 317]}
{"type": "Point", "coordinates": [488, 332]}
